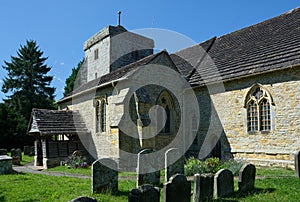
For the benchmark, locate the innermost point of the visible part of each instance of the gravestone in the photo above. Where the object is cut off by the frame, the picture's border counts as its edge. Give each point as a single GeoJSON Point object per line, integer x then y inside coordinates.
{"type": "Point", "coordinates": [178, 189]}
{"type": "Point", "coordinates": [297, 164]}
{"type": "Point", "coordinates": [223, 183]}
{"type": "Point", "coordinates": [174, 163]}
{"type": "Point", "coordinates": [145, 193]}
{"type": "Point", "coordinates": [3, 151]}
{"type": "Point", "coordinates": [19, 153]}
{"type": "Point", "coordinates": [146, 173]}
{"type": "Point", "coordinates": [16, 158]}
{"type": "Point", "coordinates": [83, 199]}
{"type": "Point", "coordinates": [247, 177]}
{"type": "Point", "coordinates": [105, 176]}
{"type": "Point", "coordinates": [203, 187]}
{"type": "Point", "coordinates": [5, 165]}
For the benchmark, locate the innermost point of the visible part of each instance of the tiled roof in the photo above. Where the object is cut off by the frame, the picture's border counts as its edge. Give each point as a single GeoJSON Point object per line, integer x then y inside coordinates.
{"type": "Point", "coordinates": [117, 74]}
{"type": "Point", "coordinates": [267, 46]}
{"type": "Point", "coordinates": [54, 122]}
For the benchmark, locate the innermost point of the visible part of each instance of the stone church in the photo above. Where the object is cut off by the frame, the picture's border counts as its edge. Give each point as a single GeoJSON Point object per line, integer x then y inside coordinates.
{"type": "Point", "coordinates": [233, 96]}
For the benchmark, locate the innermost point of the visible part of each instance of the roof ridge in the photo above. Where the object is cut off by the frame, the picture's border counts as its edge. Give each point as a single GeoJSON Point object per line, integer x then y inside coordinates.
{"type": "Point", "coordinates": [261, 22]}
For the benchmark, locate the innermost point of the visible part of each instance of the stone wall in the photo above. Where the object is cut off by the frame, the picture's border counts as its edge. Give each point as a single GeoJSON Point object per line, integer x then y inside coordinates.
{"type": "Point", "coordinates": [268, 148]}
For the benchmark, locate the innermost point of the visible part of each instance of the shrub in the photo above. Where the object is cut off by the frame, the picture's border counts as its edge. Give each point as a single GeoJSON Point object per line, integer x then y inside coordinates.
{"type": "Point", "coordinates": [211, 165]}
{"type": "Point", "coordinates": [194, 166]}
{"type": "Point", "coordinates": [77, 161]}
{"type": "Point", "coordinates": [234, 165]}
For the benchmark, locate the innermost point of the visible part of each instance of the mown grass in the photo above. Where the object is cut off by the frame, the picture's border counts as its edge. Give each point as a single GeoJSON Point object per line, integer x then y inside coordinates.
{"type": "Point", "coordinates": [30, 187]}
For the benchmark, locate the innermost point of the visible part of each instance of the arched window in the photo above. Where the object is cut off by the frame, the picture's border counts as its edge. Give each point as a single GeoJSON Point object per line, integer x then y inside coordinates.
{"type": "Point", "coordinates": [165, 101]}
{"type": "Point", "coordinates": [100, 116]}
{"type": "Point", "coordinates": [258, 104]}
{"type": "Point", "coordinates": [252, 118]}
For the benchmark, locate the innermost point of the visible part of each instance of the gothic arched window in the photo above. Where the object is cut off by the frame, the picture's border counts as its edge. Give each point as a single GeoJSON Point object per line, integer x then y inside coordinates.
{"type": "Point", "coordinates": [258, 104]}
{"type": "Point", "coordinates": [165, 101]}
{"type": "Point", "coordinates": [100, 116]}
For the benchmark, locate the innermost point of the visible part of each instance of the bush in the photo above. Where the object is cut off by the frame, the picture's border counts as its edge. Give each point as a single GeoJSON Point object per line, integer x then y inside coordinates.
{"type": "Point", "coordinates": [77, 161]}
{"type": "Point", "coordinates": [211, 165]}
{"type": "Point", "coordinates": [194, 166]}
{"type": "Point", "coordinates": [233, 165]}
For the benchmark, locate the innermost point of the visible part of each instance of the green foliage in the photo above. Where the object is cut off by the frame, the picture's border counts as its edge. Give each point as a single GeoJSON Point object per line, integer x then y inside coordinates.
{"type": "Point", "coordinates": [73, 80]}
{"type": "Point", "coordinates": [27, 86]}
{"type": "Point", "coordinates": [211, 165]}
{"type": "Point", "coordinates": [193, 166]}
{"type": "Point", "coordinates": [234, 165]}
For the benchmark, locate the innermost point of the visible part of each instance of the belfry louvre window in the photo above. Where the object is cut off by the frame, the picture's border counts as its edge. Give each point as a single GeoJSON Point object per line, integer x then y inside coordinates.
{"type": "Point", "coordinates": [100, 116]}
{"type": "Point", "coordinates": [258, 105]}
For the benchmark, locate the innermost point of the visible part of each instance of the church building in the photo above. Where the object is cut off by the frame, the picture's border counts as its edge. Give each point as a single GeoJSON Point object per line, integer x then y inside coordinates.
{"type": "Point", "coordinates": [233, 96]}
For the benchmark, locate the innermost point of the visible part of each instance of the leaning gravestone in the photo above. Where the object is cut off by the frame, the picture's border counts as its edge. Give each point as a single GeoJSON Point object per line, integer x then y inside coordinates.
{"type": "Point", "coordinates": [83, 199]}
{"type": "Point", "coordinates": [223, 183]}
{"type": "Point", "coordinates": [16, 159]}
{"type": "Point", "coordinates": [18, 153]}
{"type": "Point", "coordinates": [3, 151]}
{"type": "Point", "coordinates": [145, 193]}
{"type": "Point", "coordinates": [174, 163]}
{"type": "Point", "coordinates": [146, 173]}
{"type": "Point", "coordinates": [203, 187]}
{"type": "Point", "coordinates": [105, 176]}
{"type": "Point", "coordinates": [297, 164]}
{"type": "Point", "coordinates": [247, 177]}
{"type": "Point", "coordinates": [178, 189]}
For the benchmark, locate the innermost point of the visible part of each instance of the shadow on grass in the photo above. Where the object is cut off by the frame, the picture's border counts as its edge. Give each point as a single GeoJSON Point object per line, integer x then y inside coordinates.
{"type": "Point", "coordinates": [239, 195]}
{"type": "Point", "coordinates": [123, 193]}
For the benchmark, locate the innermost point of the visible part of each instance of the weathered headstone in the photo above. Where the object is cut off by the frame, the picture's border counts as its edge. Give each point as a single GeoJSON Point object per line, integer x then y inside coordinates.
{"type": "Point", "coordinates": [145, 193]}
{"type": "Point", "coordinates": [83, 199]}
{"type": "Point", "coordinates": [146, 173]}
{"type": "Point", "coordinates": [178, 189]}
{"type": "Point", "coordinates": [16, 158]}
{"type": "Point", "coordinates": [203, 187]}
{"type": "Point", "coordinates": [5, 165]}
{"type": "Point", "coordinates": [223, 183]}
{"type": "Point", "coordinates": [174, 163]}
{"type": "Point", "coordinates": [247, 177]}
{"type": "Point", "coordinates": [297, 164]}
{"type": "Point", "coordinates": [105, 176]}
{"type": "Point", "coordinates": [3, 151]}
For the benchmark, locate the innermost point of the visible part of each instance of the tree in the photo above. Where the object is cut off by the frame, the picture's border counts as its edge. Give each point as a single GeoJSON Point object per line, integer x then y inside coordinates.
{"type": "Point", "coordinates": [73, 79]}
{"type": "Point", "coordinates": [27, 84]}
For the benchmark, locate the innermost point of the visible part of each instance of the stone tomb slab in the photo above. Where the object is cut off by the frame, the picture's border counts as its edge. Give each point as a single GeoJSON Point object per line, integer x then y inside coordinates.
{"type": "Point", "coordinates": [223, 183]}
{"type": "Point", "coordinates": [146, 173]}
{"type": "Point", "coordinates": [174, 163]}
{"type": "Point", "coordinates": [105, 176]}
{"type": "Point", "coordinates": [178, 189]}
{"type": "Point", "coordinates": [145, 193]}
{"type": "Point", "coordinates": [247, 177]}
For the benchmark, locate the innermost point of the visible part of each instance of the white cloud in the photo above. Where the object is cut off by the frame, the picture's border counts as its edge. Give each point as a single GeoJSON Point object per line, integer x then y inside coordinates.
{"type": "Point", "coordinates": [62, 63]}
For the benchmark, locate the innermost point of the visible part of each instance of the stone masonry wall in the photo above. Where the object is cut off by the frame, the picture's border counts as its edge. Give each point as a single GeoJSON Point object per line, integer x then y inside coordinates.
{"type": "Point", "coordinates": [268, 148]}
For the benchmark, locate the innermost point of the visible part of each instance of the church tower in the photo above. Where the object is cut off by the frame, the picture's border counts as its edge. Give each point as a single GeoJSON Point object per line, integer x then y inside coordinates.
{"type": "Point", "coordinates": [111, 48]}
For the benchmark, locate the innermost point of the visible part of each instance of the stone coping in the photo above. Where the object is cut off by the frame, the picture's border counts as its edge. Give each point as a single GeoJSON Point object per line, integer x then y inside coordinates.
{"type": "Point", "coordinates": [5, 158]}
{"type": "Point", "coordinates": [262, 151]}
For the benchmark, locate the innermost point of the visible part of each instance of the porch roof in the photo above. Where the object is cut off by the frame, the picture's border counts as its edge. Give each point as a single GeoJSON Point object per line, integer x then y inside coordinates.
{"type": "Point", "coordinates": [55, 122]}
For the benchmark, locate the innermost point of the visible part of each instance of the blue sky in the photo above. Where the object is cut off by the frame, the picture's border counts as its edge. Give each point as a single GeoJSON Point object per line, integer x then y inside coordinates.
{"type": "Point", "coordinates": [61, 27]}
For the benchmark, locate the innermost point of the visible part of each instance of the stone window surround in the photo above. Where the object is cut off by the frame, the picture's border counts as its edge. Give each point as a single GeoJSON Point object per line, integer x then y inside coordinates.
{"type": "Point", "coordinates": [99, 103]}
{"type": "Point", "coordinates": [265, 96]}
{"type": "Point", "coordinates": [169, 102]}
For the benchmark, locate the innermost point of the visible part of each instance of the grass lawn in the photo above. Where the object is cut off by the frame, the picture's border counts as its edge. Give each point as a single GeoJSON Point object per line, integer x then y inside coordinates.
{"type": "Point", "coordinates": [275, 184]}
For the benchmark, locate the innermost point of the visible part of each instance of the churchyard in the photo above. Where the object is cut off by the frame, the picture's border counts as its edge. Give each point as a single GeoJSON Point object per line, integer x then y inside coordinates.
{"type": "Point", "coordinates": [271, 184]}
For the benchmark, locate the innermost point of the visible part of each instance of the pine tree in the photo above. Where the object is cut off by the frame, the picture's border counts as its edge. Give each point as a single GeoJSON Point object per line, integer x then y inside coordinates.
{"type": "Point", "coordinates": [27, 82]}
{"type": "Point", "coordinates": [27, 85]}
